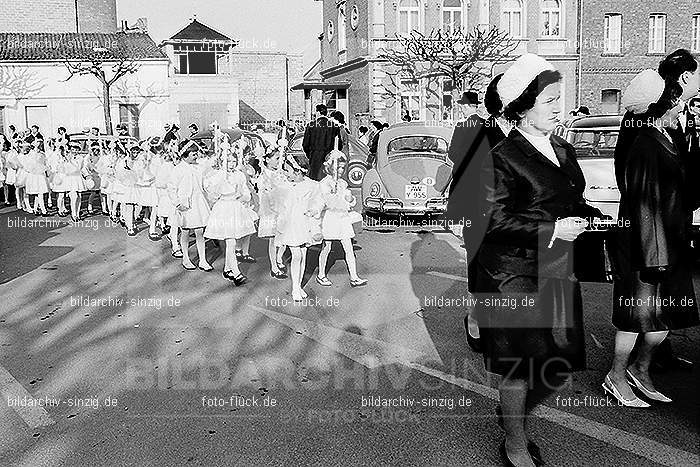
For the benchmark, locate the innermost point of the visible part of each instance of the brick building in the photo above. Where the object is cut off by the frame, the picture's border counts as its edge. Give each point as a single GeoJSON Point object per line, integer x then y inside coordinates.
{"type": "Point", "coordinates": [622, 37]}
{"type": "Point", "coordinates": [264, 82]}
{"type": "Point", "coordinates": [212, 81]}
{"type": "Point", "coordinates": [82, 16]}
{"type": "Point", "coordinates": [353, 78]}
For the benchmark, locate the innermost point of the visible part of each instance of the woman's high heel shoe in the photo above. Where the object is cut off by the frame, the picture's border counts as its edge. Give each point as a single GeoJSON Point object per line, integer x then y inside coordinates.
{"type": "Point", "coordinates": [608, 386]}
{"type": "Point", "coordinates": [532, 448]}
{"type": "Point", "coordinates": [474, 342]}
{"type": "Point", "coordinates": [506, 460]}
{"type": "Point", "coordinates": [653, 395]}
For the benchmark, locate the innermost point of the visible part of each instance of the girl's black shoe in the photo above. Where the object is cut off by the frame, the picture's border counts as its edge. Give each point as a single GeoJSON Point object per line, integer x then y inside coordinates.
{"type": "Point", "coordinates": [280, 275]}
{"type": "Point", "coordinates": [239, 280]}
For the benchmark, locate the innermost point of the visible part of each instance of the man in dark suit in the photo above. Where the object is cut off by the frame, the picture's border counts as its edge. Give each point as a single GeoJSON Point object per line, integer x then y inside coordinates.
{"type": "Point", "coordinates": [471, 142]}
{"type": "Point", "coordinates": [319, 139]}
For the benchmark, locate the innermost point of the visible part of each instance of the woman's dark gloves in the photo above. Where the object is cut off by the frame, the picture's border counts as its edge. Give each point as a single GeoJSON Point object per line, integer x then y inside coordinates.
{"type": "Point", "coordinates": [653, 275]}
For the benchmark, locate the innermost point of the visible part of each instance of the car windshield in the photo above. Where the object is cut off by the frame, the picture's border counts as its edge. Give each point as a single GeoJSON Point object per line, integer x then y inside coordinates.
{"type": "Point", "coordinates": [593, 139]}
{"type": "Point", "coordinates": [417, 144]}
{"type": "Point", "coordinates": [296, 144]}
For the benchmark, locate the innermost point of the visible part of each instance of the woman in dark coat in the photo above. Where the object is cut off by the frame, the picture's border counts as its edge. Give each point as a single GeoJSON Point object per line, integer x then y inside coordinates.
{"type": "Point", "coordinates": [529, 309]}
{"type": "Point", "coordinates": [472, 140]}
{"type": "Point", "coordinates": [653, 292]}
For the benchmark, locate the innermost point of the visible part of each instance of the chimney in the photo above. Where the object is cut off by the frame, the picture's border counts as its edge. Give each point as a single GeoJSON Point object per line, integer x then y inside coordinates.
{"type": "Point", "coordinates": [142, 24]}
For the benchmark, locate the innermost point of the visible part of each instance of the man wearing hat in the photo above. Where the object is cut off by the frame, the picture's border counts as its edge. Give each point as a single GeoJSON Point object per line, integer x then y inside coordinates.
{"type": "Point", "coordinates": [470, 104]}
{"type": "Point", "coordinates": [122, 130]}
{"type": "Point", "coordinates": [461, 149]}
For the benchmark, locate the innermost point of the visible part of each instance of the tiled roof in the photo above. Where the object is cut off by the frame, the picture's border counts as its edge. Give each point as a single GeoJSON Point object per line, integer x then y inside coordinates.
{"type": "Point", "coordinates": [17, 46]}
{"type": "Point", "coordinates": [196, 31]}
{"type": "Point", "coordinates": [247, 114]}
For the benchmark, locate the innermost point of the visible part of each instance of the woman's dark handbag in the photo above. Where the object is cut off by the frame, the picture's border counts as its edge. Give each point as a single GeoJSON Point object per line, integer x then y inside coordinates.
{"type": "Point", "coordinates": [591, 256]}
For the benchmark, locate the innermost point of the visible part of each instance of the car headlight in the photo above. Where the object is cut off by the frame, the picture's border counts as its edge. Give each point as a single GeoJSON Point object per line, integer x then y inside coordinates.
{"type": "Point", "coordinates": [356, 174]}
{"type": "Point", "coordinates": [374, 189]}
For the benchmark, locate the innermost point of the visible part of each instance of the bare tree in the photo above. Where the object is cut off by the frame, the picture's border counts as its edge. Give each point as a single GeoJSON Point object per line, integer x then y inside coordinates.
{"type": "Point", "coordinates": [98, 67]}
{"type": "Point", "coordinates": [465, 58]}
{"type": "Point", "coordinates": [19, 83]}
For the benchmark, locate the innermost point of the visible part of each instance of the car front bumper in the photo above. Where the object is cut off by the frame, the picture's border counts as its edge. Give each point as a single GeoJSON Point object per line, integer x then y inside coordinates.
{"type": "Point", "coordinates": [397, 206]}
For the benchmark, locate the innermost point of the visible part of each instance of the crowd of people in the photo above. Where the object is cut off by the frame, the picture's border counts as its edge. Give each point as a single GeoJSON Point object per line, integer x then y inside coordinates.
{"type": "Point", "coordinates": [522, 188]}
{"type": "Point", "coordinates": [178, 187]}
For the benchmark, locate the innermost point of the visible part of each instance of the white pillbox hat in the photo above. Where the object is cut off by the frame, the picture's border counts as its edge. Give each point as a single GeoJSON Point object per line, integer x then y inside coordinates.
{"type": "Point", "coordinates": [519, 76]}
{"type": "Point", "coordinates": [644, 89]}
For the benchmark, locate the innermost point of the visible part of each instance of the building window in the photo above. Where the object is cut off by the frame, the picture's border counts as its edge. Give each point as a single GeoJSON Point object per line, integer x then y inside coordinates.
{"type": "Point", "coordinates": [610, 101]}
{"type": "Point", "coordinates": [512, 18]}
{"type": "Point", "coordinates": [695, 46]}
{"type": "Point", "coordinates": [331, 30]}
{"type": "Point", "coordinates": [410, 99]}
{"type": "Point", "coordinates": [551, 18]}
{"type": "Point", "coordinates": [342, 31]}
{"type": "Point", "coordinates": [451, 16]}
{"type": "Point", "coordinates": [484, 12]}
{"type": "Point", "coordinates": [199, 58]}
{"type": "Point", "coordinates": [354, 17]}
{"type": "Point", "coordinates": [409, 16]}
{"type": "Point", "coordinates": [657, 33]}
{"type": "Point", "coordinates": [613, 34]}
{"type": "Point", "coordinates": [129, 114]}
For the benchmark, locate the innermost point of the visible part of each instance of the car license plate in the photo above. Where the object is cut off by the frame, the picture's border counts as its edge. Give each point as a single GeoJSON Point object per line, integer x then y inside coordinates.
{"type": "Point", "coordinates": [416, 191]}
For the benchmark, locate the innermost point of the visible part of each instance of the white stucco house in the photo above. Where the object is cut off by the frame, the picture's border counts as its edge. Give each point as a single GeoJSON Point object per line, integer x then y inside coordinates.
{"type": "Point", "coordinates": [34, 85]}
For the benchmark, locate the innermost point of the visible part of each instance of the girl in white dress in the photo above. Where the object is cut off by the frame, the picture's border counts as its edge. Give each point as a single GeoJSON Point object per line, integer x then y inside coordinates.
{"type": "Point", "coordinates": [37, 184]}
{"type": "Point", "coordinates": [56, 163]}
{"type": "Point", "coordinates": [247, 157]}
{"type": "Point", "coordinates": [117, 187]}
{"type": "Point", "coordinates": [73, 181]}
{"type": "Point", "coordinates": [21, 177]}
{"type": "Point", "coordinates": [4, 148]}
{"type": "Point", "coordinates": [191, 204]}
{"type": "Point", "coordinates": [167, 213]}
{"type": "Point", "coordinates": [338, 218]}
{"type": "Point", "coordinates": [231, 218]}
{"type": "Point", "coordinates": [146, 167]}
{"type": "Point", "coordinates": [105, 171]}
{"type": "Point", "coordinates": [271, 177]}
{"type": "Point", "coordinates": [92, 178]}
{"type": "Point", "coordinates": [298, 218]}
{"type": "Point", "coordinates": [127, 177]}
{"type": "Point", "coordinates": [11, 166]}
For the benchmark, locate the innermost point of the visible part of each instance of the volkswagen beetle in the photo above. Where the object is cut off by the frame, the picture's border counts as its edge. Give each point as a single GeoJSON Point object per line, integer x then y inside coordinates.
{"type": "Point", "coordinates": [411, 172]}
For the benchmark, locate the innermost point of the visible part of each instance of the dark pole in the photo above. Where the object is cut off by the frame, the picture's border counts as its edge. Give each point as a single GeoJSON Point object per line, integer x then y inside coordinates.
{"type": "Point", "coordinates": [77, 27]}
{"type": "Point", "coordinates": [286, 74]}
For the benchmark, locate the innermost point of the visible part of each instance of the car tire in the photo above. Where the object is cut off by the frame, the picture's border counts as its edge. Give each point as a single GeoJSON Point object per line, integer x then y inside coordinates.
{"type": "Point", "coordinates": [355, 181]}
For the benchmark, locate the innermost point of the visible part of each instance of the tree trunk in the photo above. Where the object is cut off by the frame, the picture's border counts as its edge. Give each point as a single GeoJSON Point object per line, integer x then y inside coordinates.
{"type": "Point", "coordinates": [456, 95]}
{"type": "Point", "coordinates": [106, 101]}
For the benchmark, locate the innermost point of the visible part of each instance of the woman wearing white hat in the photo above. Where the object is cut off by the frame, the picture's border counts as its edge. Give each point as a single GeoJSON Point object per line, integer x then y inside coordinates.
{"type": "Point", "coordinates": [529, 311]}
{"type": "Point", "coordinates": [654, 288]}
